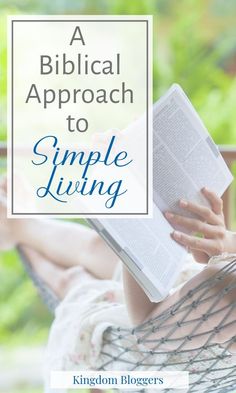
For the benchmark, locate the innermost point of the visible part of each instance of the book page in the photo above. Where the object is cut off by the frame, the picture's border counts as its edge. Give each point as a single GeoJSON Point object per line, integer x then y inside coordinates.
{"type": "Point", "coordinates": [186, 158]}
{"type": "Point", "coordinates": [149, 243]}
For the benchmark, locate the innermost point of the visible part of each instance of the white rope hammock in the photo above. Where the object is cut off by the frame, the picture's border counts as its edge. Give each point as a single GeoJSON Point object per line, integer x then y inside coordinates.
{"type": "Point", "coordinates": [156, 344]}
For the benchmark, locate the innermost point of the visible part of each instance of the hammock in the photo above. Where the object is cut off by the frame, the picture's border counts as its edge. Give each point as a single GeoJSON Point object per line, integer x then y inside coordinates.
{"type": "Point", "coordinates": [210, 365]}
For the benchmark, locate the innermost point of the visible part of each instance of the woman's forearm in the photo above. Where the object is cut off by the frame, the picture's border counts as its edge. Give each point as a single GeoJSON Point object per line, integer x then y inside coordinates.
{"type": "Point", "coordinates": [137, 302]}
{"type": "Point", "coordinates": [59, 241]}
{"type": "Point", "coordinates": [67, 244]}
{"type": "Point", "coordinates": [213, 301]}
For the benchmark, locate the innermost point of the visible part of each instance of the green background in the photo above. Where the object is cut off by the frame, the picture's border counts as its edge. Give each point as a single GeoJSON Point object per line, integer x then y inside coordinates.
{"type": "Point", "coordinates": [194, 45]}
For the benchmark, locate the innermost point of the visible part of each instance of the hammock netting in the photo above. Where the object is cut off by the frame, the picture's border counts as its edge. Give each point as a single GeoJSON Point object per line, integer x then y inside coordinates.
{"type": "Point", "coordinates": [156, 345]}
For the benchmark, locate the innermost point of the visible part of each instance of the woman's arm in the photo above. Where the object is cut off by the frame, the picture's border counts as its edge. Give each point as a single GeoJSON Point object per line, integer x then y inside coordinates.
{"type": "Point", "coordinates": [64, 243]}
{"type": "Point", "coordinates": [216, 239]}
{"type": "Point", "coordinates": [137, 302]}
{"type": "Point", "coordinates": [212, 302]}
{"type": "Point", "coordinates": [67, 244]}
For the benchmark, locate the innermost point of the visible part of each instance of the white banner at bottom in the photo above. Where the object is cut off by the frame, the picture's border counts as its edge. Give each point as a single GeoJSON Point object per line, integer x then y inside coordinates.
{"type": "Point", "coordinates": [119, 379]}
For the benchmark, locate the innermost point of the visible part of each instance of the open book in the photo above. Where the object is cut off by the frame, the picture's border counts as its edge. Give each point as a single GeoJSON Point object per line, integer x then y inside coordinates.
{"type": "Point", "coordinates": [185, 159]}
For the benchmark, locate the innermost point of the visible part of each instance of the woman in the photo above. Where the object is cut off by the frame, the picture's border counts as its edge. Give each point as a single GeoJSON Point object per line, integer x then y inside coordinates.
{"type": "Point", "coordinates": [85, 274]}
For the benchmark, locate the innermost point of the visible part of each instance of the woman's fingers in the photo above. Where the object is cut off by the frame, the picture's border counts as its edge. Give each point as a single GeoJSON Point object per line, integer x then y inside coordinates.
{"type": "Point", "coordinates": [202, 211]}
{"type": "Point", "coordinates": [209, 246]}
{"type": "Point", "coordinates": [215, 202]}
{"type": "Point", "coordinates": [195, 225]}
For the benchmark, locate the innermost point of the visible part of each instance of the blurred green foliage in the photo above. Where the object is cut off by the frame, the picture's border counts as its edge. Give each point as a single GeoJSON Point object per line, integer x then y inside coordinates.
{"type": "Point", "coordinates": [24, 319]}
{"type": "Point", "coordinates": [194, 45]}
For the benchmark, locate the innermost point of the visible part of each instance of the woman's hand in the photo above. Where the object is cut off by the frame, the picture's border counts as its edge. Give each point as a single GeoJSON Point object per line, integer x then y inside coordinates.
{"type": "Point", "coordinates": [215, 239]}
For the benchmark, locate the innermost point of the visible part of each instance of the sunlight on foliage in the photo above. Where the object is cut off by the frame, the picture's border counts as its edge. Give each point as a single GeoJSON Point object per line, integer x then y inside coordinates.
{"type": "Point", "coordinates": [194, 45]}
